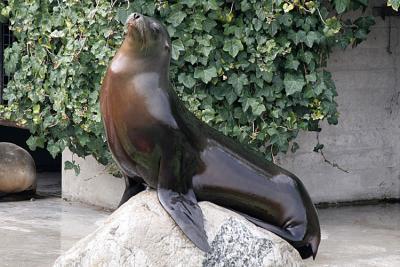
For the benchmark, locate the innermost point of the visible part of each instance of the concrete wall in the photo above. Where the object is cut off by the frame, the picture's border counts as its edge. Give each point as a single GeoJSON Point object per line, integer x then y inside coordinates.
{"type": "Point", "coordinates": [93, 185]}
{"type": "Point", "coordinates": [366, 142]}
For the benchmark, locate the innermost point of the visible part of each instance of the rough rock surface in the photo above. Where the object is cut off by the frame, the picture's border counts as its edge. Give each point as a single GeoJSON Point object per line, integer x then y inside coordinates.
{"type": "Point", "coordinates": [141, 233]}
{"type": "Point", "coordinates": [17, 169]}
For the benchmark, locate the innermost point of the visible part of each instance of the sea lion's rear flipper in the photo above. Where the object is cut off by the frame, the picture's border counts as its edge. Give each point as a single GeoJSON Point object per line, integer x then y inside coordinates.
{"type": "Point", "coordinates": [293, 235]}
{"type": "Point", "coordinates": [186, 212]}
{"type": "Point", "coordinates": [273, 228]}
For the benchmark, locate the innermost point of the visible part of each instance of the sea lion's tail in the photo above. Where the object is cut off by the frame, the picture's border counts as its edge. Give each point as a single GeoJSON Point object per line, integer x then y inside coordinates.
{"type": "Point", "coordinates": [314, 243]}
{"type": "Point", "coordinates": [308, 250]}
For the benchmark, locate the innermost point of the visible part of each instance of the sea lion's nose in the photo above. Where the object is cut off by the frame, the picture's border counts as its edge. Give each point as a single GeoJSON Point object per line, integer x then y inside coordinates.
{"type": "Point", "coordinates": [135, 16]}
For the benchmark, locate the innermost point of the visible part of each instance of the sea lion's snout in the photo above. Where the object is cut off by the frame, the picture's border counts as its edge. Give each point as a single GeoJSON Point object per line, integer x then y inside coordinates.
{"type": "Point", "coordinates": [133, 17]}
{"type": "Point", "coordinates": [136, 24]}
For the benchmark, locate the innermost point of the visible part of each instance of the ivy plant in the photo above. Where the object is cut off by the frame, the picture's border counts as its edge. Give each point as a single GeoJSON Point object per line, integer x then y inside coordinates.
{"type": "Point", "coordinates": [254, 70]}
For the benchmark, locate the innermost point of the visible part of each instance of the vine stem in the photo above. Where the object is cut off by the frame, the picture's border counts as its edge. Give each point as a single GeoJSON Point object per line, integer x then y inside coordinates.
{"type": "Point", "coordinates": [231, 7]}
{"type": "Point", "coordinates": [319, 13]}
{"type": "Point", "coordinates": [272, 155]}
{"type": "Point", "coordinates": [333, 164]}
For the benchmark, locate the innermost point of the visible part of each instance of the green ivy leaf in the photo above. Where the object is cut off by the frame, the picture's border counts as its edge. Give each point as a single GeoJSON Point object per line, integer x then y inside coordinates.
{"type": "Point", "coordinates": [57, 34]}
{"type": "Point", "coordinates": [189, 3]}
{"type": "Point", "coordinates": [186, 80]}
{"type": "Point", "coordinates": [291, 63]}
{"type": "Point", "coordinates": [233, 47]}
{"type": "Point", "coordinates": [177, 46]}
{"type": "Point", "coordinates": [191, 58]}
{"type": "Point", "coordinates": [258, 109]}
{"type": "Point", "coordinates": [206, 74]}
{"type": "Point", "coordinates": [11, 58]}
{"type": "Point", "coordinates": [318, 147]}
{"type": "Point", "coordinates": [395, 4]}
{"type": "Point", "coordinates": [4, 13]}
{"type": "Point", "coordinates": [210, 4]}
{"type": "Point", "coordinates": [176, 18]}
{"type": "Point", "coordinates": [312, 77]}
{"type": "Point", "coordinates": [68, 165]}
{"type": "Point", "coordinates": [36, 109]}
{"type": "Point", "coordinates": [341, 5]}
{"type": "Point", "coordinates": [332, 27]}
{"type": "Point", "coordinates": [287, 7]}
{"type": "Point", "coordinates": [238, 81]}
{"type": "Point", "coordinates": [34, 142]}
{"type": "Point", "coordinates": [297, 37]}
{"type": "Point", "coordinates": [248, 102]}
{"type": "Point", "coordinates": [293, 83]}
{"type": "Point", "coordinates": [286, 19]}
{"type": "Point", "coordinates": [311, 38]}
{"type": "Point", "coordinates": [230, 96]}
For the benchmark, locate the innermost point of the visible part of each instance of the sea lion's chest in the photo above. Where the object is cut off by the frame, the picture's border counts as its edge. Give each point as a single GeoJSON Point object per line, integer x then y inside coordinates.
{"type": "Point", "coordinates": [141, 100]}
{"type": "Point", "coordinates": [140, 114]}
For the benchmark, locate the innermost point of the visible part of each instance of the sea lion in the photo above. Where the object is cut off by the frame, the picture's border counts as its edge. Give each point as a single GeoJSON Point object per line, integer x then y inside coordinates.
{"type": "Point", "coordinates": [17, 173]}
{"type": "Point", "coordinates": [157, 142]}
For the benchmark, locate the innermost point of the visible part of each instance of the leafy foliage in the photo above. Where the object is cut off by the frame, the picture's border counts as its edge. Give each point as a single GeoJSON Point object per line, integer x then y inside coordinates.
{"type": "Point", "coordinates": [252, 69]}
{"type": "Point", "coordinates": [395, 4]}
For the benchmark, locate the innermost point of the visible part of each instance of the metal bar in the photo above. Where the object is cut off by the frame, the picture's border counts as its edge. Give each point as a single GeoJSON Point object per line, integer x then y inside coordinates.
{"type": "Point", "coordinates": [1, 62]}
{"type": "Point", "coordinates": [6, 40]}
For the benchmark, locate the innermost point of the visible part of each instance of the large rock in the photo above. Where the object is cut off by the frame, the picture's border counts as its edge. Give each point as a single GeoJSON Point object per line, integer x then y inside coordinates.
{"type": "Point", "coordinates": [17, 169]}
{"type": "Point", "coordinates": [141, 233]}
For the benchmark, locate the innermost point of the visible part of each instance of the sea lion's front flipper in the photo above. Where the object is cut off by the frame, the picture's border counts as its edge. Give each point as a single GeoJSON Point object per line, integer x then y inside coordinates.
{"type": "Point", "coordinates": [133, 186]}
{"type": "Point", "coordinates": [186, 212]}
{"type": "Point", "coordinates": [176, 194]}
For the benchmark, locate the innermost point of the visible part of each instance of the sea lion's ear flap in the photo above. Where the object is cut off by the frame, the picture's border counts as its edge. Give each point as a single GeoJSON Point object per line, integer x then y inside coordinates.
{"type": "Point", "coordinates": [186, 212]}
{"type": "Point", "coordinates": [167, 46]}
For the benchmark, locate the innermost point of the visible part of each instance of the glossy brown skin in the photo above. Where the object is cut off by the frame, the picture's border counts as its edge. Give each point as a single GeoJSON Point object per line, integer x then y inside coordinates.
{"type": "Point", "coordinates": [156, 141]}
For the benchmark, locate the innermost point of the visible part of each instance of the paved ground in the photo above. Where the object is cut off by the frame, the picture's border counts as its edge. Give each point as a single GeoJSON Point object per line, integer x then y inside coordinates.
{"type": "Point", "coordinates": [365, 236]}
{"type": "Point", "coordinates": [34, 233]}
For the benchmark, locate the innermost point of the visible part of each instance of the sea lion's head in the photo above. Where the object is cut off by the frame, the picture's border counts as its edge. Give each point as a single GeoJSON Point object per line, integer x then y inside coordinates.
{"type": "Point", "coordinates": [148, 37]}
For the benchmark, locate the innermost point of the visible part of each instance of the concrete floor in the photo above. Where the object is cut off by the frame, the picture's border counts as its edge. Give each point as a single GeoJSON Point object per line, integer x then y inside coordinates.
{"type": "Point", "coordinates": [34, 233]}
{"type": "Point", "coordinates": [365, 236]}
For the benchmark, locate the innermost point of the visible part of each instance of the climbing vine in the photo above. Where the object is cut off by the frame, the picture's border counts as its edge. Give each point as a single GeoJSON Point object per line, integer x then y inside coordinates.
{"type": "Point", "coordinates": [254, 70]}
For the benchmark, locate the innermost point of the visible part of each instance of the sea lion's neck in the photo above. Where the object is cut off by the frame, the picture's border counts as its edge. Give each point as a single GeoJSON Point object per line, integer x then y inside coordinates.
{"type": "Point", "coordinates": [131, 47]}
{"type": "Point", "coordinates": [131, 64]}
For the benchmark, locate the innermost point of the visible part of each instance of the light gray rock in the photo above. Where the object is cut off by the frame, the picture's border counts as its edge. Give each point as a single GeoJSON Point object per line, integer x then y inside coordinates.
{"type": "Point", "coordinates": [17, 169]}
{"type": "Point", "coordinates": [141, 233]}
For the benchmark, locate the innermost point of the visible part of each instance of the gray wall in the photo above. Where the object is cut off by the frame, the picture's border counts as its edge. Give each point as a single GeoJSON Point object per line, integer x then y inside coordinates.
{"type": "Point", "coordinates": [93, 185]}
{"type": "Point", "coordinates": [365, 142]}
